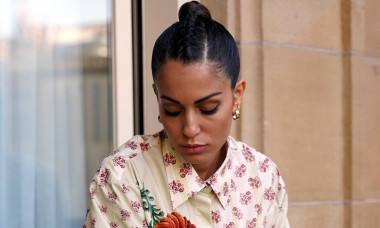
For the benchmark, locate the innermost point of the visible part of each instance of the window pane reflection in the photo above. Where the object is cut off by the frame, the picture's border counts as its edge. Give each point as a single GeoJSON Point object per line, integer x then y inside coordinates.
{"type": "Point", "coordinates": [55, 108]}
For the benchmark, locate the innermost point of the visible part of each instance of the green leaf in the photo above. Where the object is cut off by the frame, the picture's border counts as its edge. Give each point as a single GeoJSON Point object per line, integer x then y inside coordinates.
{"type": "Point", "coordinates": [156, 213]}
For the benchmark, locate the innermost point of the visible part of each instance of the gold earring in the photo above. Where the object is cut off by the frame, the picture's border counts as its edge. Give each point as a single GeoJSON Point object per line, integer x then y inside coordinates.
{"type": "Point", "coordinates": [236, 114]}
{"type": "Point", "coordinates": [159, 119]}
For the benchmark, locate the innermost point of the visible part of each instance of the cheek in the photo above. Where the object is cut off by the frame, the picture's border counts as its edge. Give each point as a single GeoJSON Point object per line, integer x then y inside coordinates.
{"type": "Point", "coordinates": [171, 125]}
{"type": "Point", "coordinates": [222, 124]}
{"type": "Point", "coordinates": [226, 122]}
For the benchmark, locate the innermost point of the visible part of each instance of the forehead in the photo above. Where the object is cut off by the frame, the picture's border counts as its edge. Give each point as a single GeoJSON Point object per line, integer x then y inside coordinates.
{"type": "Point", "coordinates": [177, 78]}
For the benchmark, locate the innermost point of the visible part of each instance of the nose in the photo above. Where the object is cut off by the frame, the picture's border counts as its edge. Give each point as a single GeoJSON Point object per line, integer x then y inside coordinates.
{"type": "Point", "coordinates": [191, 126]}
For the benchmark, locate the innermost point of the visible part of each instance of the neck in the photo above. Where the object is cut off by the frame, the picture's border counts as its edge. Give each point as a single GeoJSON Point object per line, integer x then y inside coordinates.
{"type": "Point", "coordinates": [206, 170]}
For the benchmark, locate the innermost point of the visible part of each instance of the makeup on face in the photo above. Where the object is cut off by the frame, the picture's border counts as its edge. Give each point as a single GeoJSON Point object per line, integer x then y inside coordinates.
{"type": "Point", "coordinates": [206, 106]}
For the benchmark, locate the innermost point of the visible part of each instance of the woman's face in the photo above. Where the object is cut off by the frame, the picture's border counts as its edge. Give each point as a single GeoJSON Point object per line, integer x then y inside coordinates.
{"type": "Point", "coordinates": [196, 105]}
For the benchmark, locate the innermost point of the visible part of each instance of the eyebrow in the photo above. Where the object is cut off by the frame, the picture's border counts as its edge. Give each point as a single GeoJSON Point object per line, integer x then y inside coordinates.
{"type": "Point", "coordinates": [196, 102]}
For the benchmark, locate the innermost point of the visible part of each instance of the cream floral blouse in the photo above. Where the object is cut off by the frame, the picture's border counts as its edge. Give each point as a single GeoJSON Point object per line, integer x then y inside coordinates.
{"type": "Point", "coordinates": [145, 180]}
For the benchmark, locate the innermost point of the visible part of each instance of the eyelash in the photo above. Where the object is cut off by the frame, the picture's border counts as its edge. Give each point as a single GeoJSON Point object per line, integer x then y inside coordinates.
{"type": "Point", "coordinates": [171, 113]}
{"type": "Point", "coordinates": [211, 112]}
{"type": "Point", "coordinates": [205, 112]}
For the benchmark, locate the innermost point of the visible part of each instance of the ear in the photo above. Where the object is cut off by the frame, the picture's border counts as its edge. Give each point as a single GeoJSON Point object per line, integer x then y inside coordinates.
{"type": "Point", "coordinates": [155, 90]}
{"type": "Point", "coordinates": [238, 93]}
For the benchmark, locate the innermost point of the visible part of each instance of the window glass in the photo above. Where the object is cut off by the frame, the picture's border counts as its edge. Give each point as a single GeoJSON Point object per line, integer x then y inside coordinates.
{"type": "Point", "coordinates": [55, 108]}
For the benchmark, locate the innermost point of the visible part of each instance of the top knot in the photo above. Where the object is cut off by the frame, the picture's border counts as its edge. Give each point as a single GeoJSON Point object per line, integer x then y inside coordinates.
{"type": "Point", "coordinates": [193, 8]}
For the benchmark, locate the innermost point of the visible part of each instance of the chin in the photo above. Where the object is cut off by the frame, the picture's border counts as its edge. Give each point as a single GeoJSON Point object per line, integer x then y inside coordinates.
{"type": "Point", "coordinates": [193, 158]}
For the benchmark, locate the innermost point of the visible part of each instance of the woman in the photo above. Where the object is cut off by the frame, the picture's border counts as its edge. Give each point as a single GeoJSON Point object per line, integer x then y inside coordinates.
{"type": "Point", "coordinates": [192, 168]}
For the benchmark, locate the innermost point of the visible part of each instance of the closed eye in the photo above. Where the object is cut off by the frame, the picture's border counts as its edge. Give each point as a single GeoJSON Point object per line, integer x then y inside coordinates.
{"type": "Point", "coordinates": [210, 112]}
{"type": "Point", "coordinates": [171, 113]}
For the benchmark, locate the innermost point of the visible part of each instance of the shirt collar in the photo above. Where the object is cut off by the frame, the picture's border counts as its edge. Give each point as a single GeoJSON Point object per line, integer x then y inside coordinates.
{"type": "Point", "coordinates": [221, 181]}
{"type": "Point", "coordinates": [184, 182]}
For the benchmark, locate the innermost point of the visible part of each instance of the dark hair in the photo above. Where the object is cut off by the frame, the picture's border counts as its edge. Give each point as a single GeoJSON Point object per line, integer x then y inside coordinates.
{"type": "Point", "coordinates": [196, 38]}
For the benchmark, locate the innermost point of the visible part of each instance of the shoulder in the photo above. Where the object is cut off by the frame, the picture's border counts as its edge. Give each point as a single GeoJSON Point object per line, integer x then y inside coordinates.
{"type": "Point", "coordinates": [261, 171]}
{"type": "Point", "coordinates": [123, 158]}
{"type": "Point", "coordinates": [256, 161]}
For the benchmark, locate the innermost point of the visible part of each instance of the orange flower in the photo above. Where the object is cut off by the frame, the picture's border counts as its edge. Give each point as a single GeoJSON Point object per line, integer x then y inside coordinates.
{"type": "Point", "coordinates": [174, 220]}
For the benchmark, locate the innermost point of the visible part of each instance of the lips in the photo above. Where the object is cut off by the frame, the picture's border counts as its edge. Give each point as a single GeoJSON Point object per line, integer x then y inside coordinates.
{"type": "Point", "coordinates": [194, 148]}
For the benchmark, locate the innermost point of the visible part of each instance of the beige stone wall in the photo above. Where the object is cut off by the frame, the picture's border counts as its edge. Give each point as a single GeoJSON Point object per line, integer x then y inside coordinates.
{"type": "Point", "coordinates": [313, 101]}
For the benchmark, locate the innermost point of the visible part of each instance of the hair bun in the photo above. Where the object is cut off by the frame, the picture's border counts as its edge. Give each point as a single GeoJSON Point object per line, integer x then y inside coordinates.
{"type": "Point", "coordinates": [193, 8]}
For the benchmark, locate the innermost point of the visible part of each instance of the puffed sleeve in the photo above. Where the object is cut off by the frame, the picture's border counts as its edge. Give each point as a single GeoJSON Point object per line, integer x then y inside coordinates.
{"type": "Point", "coordinates": [277, 215]}
{"type": "Point", "coordinates": [115, 199]}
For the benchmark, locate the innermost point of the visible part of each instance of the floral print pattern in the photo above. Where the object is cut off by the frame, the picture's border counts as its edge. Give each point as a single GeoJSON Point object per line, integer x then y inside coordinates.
{"type": "Point", "coordinates": [176, 187]}
{"type": "Point", "coordinates": [104, 174]}
{"type": "Point", "coordinates": [240, 170]}
{"type": "Point", "coordinates": [112, 197]}
{"type": "Point", "coordinates": [216, 217]}
{"type": "Point", "coordinates": [186, 169]}
{"type": "Point", "coordinates": [119, 161]}
{"type": "Point", "coordinates": [269, 194]}
{"type": "Point", "coordinates": [125, 214]}
{"type": "Point", "coordinates": [169, 159]}
{"type": "Point", "coordinates": [255, 182]}
{"type": "Point", "coordinates": [246, 191]}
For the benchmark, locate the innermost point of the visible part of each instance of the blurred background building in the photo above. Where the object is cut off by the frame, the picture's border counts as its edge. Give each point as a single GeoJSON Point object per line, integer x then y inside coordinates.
{"type": "Point", "coordinates": [75, 83]}
{"type": "Point", "coordinates": [313, 101]}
